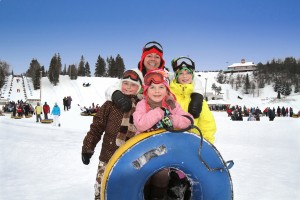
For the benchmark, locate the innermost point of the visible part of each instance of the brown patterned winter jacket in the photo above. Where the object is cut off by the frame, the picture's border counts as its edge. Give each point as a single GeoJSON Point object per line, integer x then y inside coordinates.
{"type": "Point", "coordinates": [107, 121]}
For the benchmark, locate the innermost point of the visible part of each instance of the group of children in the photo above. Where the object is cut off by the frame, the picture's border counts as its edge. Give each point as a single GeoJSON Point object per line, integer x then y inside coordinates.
{"type": "Point", "coordinates": [146, 100]}
{"type": "Point", "coordinates": [39, 110]}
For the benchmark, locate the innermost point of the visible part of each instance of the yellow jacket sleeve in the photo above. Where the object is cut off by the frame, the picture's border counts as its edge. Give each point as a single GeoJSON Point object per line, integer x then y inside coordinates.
{"type": "Point", "coordinates": [206, 123]}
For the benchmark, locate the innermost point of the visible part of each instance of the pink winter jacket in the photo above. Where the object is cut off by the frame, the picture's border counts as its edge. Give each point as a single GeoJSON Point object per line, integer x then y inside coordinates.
{"type": "Point", "coordinates": [144, 120]}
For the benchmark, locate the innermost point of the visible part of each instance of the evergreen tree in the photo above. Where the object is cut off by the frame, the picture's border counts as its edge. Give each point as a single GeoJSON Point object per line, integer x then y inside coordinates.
{"type": "Point", "coordinates": [2, 77]}
{"type": "Point", "coordinates": [73, 72]}
{"type": "Point", "coordinates": [54, 69]}
{"type": "Point", "coordinates": [221, 78]}
{"type": "Point", "coordinates": [218, 90]}
{"type": "Point", "coordinates": [100, 69]}
{"type": "Point", "coordinates": [87, 69]}
{"type": "Point", "coordinates": [81, 69]}
{"type": "Point", "coordinates": [297, 89]}
{"type": "Point", "coordinates": [287, 89]}
{"type": "Point", "coordinates": [34, 72]}
{"type": "Point", "coordinates": [43, 71]}
{"type": "Point", "coordinates": [238, 81]}
{"type": "Point", "coordinates": [252, 85]}
{"type": "Point", "coordinates": [111, 69]}
{"type": "Point", "coordinates": [64, 72]}
{"type": "Point", "coordinates": [120, 67]}
{"type": "Point", "coordinates": [214, 87]}
{"type": "Point", "coordinates": [247, 84]}
{"type": "Point", "coordinates": [4, 68]}
{"type": "Point", "coordinates": [231, 81]}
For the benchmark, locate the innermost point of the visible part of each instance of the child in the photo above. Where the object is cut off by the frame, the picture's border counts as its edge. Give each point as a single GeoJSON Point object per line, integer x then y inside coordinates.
{"type": "Point", "coordinates": [116, 125]}
{"type": "Point", "coordinates": [158, 110]}
{"type": "Point", "coordinates": [182, 86]}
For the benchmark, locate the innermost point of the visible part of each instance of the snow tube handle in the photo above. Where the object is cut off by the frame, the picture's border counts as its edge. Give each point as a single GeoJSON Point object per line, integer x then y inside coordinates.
{"type": "Point", "coordinates": [229, 164]}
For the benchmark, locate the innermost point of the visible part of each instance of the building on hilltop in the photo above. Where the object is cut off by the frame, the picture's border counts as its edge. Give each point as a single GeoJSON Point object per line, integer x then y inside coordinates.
{"type": "Point", "coordinates": [243, 66]}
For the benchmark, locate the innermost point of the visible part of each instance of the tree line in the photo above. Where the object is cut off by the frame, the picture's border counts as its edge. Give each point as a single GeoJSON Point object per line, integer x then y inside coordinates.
{"type": "Point", "coordinates": [109, 67]}
{"type": "Point", "coordinates": [283, 75]}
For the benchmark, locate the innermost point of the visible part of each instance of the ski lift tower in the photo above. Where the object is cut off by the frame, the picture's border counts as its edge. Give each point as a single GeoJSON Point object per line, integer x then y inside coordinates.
{"type": "Point", "coordinates": [41, 85]}
{"type": "Point", "coordinates": [205, 88]}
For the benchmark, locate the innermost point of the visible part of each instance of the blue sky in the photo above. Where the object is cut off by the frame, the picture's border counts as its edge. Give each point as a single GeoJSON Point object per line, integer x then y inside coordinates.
{"type": "Point", "coordinates": [214, 33]}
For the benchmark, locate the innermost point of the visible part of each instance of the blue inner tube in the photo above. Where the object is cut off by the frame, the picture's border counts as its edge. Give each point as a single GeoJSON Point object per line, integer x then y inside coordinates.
{"type": "Point", "coordinates": [138, 162]}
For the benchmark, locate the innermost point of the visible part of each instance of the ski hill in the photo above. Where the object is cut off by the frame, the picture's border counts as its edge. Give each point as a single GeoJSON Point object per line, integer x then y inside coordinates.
{"type": "Point", "coordinates": [81, 95]}
{"type": "Point", "coordinates": [85, 96]}
{"type": "Point", "coordinates": [265, 152]}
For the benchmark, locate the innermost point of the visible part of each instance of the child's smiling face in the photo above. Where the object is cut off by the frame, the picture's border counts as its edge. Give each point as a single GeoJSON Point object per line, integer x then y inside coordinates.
{"type": "Point", "coordinates": [185, 77]}
{"type": "Point", "coordinates": [129, 88]}
{"type": "Point", "coordinates": [157, 92]}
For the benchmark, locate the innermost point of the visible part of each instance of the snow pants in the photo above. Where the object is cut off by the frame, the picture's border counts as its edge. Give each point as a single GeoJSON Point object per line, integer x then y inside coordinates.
{"type": "Point", "coordinates": [100, 172]}
{"type": "Point", "coordinates": [38, 118]}
{"type": "Point", "coordinates": [56, 120]}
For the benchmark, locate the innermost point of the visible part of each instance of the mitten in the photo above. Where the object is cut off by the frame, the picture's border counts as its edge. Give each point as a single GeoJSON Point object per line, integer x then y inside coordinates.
{"type": "Point", "coordinates": [167, 123]}
{"type": "Point", "coordinates": [121, 101]}
{"type": "Point", "coordinates": [86, 158]}
{"type": "Point", "coordinates": [195, 106]}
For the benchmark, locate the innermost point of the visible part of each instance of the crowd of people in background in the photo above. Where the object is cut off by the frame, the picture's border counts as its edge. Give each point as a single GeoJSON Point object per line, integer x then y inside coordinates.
{"type": "Point", "coordinates": [19, 108]}
{"type": "Point", "coordinates": [237, 113]}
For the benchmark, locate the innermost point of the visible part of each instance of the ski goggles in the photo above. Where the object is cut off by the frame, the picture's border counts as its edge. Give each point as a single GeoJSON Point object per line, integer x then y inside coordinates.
{"type": "Point", "coordinates": [182, 62]}
{"type": "Point", "coordinates": [155, 77]}
{"type": "Point", "coordinates": [151, 45]}
{"type": "Point", "coordinates": [131, 74]}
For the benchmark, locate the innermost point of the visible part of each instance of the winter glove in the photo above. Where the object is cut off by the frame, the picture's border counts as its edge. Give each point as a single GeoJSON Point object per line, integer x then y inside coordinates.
{"type": "Point", "coordinates": [195, 106]}
{"type": "Point", "coordinates": [167, 123]}
{"type": "Point", "coordinates": [121, 101]}
{"type": "Point", "coordinates": [86, 158]}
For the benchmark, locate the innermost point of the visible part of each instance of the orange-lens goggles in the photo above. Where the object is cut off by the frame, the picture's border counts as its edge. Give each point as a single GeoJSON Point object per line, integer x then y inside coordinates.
{"type": "Point", "coordinates": [155, 78]}
{"type": "Point", "coordinates": [130, 74]}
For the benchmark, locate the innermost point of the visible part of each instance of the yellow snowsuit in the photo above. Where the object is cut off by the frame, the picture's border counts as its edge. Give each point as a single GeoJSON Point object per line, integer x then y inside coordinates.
{"type": "Point", "coordinates": [206, 121]}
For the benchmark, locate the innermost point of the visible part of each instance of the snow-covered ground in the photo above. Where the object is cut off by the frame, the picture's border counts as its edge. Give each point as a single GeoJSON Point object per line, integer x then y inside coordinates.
{"type": "Point", "coordinates": [39, 161]}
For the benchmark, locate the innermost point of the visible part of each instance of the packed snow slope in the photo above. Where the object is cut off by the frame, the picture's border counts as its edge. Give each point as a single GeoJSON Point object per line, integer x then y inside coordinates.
{"type": "Point", "coordinates": [85, 96]}
{"type": "Point", "coordinates": [40, 161]}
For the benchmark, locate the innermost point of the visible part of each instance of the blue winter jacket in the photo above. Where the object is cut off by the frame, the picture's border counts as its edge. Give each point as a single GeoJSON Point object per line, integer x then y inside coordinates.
{"type": "Point", "coordinates": [55, 110]}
